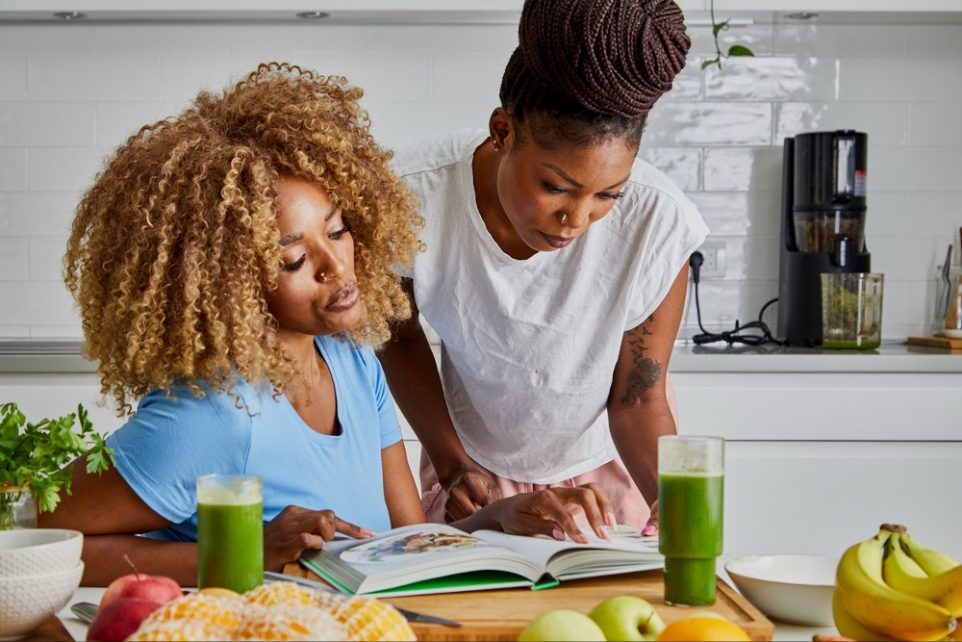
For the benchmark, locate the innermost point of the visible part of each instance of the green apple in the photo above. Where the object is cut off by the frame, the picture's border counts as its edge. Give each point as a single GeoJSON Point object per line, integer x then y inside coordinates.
{"type": "Point", "coordinates": [627, 617]}
{"type": "Point", "coordinates": [562, 625]}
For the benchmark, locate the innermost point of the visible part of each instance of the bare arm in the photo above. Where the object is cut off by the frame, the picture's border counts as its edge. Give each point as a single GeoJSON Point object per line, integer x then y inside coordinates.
{"type": "Point", "coordinates": [105, 509]}
{"type": "Point", "coordinates": [638, 411]}
{"type": "Point", "coordinates": [415, 384]}
{"type": "Point", "coordinates": [400, 493]}
{"type": "Point", "coordinates": [110, 514]}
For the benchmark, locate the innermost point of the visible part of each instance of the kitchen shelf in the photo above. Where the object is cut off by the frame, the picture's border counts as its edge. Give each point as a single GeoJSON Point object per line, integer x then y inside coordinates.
{"type": "Point", "coordinates": [450, 11]}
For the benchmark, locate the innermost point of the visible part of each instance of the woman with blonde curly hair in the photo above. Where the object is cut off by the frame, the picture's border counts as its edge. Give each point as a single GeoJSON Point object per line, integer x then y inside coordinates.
{"type": "Point", "coordinates": [233, 270]}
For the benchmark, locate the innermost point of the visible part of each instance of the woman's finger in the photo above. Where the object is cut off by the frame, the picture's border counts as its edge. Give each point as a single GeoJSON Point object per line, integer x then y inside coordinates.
{"type": "Point", "coordinates": [459, 505]}
{"type": "Point", "coordinates": [352, 530]}
{"type": "Point", "coordinates": [587, 499]}
{"type": "Point", "coordinates": [480, 489]}
{"type": "Point", "coordinates": [604, 504]}
{"type": "Point", "coordinates": [553, 509]}
{"type": "Point", "coordinates": [307, 541]}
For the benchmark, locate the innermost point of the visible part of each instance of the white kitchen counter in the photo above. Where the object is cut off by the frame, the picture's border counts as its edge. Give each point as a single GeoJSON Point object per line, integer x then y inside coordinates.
{"type": "Point", "coordinates": [32, 356]}
{"type": "Point", "coordinates": [890, 357]}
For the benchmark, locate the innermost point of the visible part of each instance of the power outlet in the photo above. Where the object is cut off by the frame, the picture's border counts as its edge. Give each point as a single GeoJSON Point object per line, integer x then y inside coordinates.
{"type": "Point", "coordinates": [714, 253]}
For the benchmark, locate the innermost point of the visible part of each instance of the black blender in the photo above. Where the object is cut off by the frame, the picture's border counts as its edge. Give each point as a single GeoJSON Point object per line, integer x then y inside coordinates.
{"type": "Point", "coordinates": [823, 225]}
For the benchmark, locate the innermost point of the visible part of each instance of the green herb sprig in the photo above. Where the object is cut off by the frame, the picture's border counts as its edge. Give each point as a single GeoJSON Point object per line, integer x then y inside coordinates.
{"type": "Point", "coordinates": [35, 455]}
{"type": "Point", "coordinates": [734, 50]}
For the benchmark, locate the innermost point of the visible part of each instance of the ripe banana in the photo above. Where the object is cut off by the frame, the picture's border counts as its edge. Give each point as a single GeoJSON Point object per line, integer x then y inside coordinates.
{"type": "Point", "coordinates": [902, 573]}
{"type": "Point", "coordinates": [865, 595]}
{"type": "Point", "coordinates": [932, 561]}
{"type": "Point", "coordinates": [849, 626]}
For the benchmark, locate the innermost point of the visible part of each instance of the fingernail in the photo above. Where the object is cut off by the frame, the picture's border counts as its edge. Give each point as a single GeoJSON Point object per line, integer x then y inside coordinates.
{"type": "Point", "coordinates": [648, 530]}
{"type": "Point", "coordinates": [366, 532]}
{"type": "Point", "coordinates": [612, 520]}
{"type": "Point", "coordinates": [558, 534]}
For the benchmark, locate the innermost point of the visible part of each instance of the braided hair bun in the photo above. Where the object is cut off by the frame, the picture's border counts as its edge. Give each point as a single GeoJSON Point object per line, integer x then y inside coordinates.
{"type": "Point", "coordinates": [602, 58]}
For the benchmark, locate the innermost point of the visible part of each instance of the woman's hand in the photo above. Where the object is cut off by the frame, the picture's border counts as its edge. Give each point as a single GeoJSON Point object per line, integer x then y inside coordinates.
{"type": "Point", "coordinates": [549, 512]}
{"type": "Point", "coordinates": [651, 528]}
{"type": "Point", "coordinates": [470, 488]}
{"type": "Point", "coordinates": [297, 529]}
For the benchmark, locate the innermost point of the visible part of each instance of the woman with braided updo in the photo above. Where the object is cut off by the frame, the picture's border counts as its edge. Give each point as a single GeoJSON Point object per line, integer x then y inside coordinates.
{"type": "Point", "coordinates": [233, 266]}
{"type": "Point", "coordinates": [555, 271]}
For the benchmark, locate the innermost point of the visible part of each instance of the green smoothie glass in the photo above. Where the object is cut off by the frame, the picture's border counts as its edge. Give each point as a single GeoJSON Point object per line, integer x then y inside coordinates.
{"type": "Point", "coordinates": [230, 532]}
{"type": "Point", "coordinates": [691, 479]}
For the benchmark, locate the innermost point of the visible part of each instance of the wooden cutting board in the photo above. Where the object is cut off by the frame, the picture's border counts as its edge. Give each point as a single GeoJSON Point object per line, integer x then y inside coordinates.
{"type": "Point", "coordinates": [502, 614]}
{"type": "Point", "coordinates": [945, 343]}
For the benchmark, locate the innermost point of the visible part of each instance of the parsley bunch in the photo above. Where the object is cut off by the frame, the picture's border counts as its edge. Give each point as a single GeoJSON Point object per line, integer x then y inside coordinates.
{"type": "Point", "coordinates": [35, 455]}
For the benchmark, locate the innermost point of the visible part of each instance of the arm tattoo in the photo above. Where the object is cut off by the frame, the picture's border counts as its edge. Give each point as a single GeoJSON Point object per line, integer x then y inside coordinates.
{"type": "Point", "coordinates": [646, 372]}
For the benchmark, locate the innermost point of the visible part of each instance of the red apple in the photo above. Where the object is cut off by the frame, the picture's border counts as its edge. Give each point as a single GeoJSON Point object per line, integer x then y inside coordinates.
{"type": "Point", "coordinates": [117, 620]}
{"type": "Point", "coordinates": [154, 588]}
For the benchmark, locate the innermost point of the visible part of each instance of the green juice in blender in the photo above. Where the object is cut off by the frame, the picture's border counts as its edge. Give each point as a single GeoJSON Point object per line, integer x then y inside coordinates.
{"type": "Point", "coordinates": [690, 514]}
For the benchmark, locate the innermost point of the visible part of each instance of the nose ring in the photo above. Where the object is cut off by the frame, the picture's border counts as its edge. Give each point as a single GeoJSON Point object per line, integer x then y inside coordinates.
{"type": "Point", "coordinates": [564, 219]}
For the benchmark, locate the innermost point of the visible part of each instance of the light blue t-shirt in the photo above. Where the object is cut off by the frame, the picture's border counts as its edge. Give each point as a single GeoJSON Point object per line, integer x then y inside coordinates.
{"type": "Point", "coordinates": [175, 438]}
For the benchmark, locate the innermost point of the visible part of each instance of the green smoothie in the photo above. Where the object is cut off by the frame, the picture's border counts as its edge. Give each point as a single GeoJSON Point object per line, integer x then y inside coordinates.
{"type": "Point", "coordinates": [690, 513]}
{"type": "Point", "coordinates": [230, 543]}
{"type": "Point", "coordinates": [851, 344]}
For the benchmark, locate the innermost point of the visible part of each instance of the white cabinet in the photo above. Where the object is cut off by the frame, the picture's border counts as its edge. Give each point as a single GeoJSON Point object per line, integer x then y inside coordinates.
{"type": "Point", "coordinates": [821, 497]}
{"type": "Point", "coordinates": [817, 460]}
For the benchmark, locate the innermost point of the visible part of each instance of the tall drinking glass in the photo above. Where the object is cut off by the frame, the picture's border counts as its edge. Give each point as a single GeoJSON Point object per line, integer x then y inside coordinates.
{"type": "Point", "coordinates": [230, 532]}
{"type": "Point", "coordinates": [691, 480]}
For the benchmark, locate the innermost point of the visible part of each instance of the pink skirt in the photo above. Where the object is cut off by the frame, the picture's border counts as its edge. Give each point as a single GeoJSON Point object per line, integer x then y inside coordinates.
{"type": "Point", "coordinates": [626, 499]}
{"type": "Point", "coordinates": [613, 478]}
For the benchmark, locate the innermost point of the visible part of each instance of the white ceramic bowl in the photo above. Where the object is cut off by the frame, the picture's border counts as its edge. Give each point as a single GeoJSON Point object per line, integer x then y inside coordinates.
{"type": "Point", "coordinates": [796, 589]}
{"type": "Point", "coordinates": [27, 601]}
{"type": "Point", "coordinates": [38, 551]}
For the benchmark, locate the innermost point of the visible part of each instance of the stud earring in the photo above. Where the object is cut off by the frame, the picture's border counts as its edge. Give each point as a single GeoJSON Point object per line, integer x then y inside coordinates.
{"type": "Point", "coordinates": [494, 144]}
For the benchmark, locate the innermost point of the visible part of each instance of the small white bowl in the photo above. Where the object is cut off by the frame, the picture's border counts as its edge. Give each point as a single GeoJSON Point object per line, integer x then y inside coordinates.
{"type": "Point", "coordinates": [27, 601]}
{"type": "Point", "coordinates": [796, 589]}
{"type": "Point", "coordinates": [39, 551]}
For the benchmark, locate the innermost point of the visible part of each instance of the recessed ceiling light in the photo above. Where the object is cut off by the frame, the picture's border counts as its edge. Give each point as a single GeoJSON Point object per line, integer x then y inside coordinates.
{"type": "Point", "coordinates": [70, 15]}
{"type": "Point", "coordinates": [313, 15]}
{"type": "Point", "coordinates": [802, 15]}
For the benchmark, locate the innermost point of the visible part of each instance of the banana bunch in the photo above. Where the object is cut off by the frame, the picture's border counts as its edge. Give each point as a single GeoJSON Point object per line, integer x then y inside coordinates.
{"type": "Point", "coordinates": [892, 588]}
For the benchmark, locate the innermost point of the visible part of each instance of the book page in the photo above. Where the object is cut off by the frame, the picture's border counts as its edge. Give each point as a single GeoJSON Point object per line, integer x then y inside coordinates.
{"type": "Point", "coordinates": [410, 554]}
{"type": "Point", "coordinates": [627, 550]}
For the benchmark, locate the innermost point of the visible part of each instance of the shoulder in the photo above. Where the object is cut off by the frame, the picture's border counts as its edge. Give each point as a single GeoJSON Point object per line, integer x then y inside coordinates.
{"type": "Point", "coordinates": [654, 202]}
{"type": "Point", "coordinates": [648, 182]}
{"type": "Point", "coordinates": [353, 360]}
{"type": "Point", "coordinates": [436, 153]}
{"type": "Point", "coordinates": [184, 407]}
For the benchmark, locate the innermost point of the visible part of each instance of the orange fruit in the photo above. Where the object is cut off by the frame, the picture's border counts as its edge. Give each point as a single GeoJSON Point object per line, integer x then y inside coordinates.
{"type": "Point", "coordinates": [703, 629]}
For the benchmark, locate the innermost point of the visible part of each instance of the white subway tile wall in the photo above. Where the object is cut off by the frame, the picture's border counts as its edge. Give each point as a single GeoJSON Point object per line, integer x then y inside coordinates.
{"type": "Point", "coordinates": [70, 93]}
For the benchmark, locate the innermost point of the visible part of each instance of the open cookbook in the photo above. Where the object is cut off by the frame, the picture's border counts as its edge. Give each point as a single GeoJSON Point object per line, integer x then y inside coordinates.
{"type": "Point", "coordinates": [436, 558]}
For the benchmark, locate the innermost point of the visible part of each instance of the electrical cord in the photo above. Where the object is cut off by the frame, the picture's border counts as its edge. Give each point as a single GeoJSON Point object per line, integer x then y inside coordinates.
{"type": "Point", "coordinates": [729, 336]}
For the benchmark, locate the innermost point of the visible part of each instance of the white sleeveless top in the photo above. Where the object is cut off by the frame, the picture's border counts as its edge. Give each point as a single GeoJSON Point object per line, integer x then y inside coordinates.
{"type": "Point", "coordinates": [528, 347]}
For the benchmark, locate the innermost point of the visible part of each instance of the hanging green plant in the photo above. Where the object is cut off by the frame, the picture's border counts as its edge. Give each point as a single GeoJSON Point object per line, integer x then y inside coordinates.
{"type": "Point", "coordinates": [734, 50]}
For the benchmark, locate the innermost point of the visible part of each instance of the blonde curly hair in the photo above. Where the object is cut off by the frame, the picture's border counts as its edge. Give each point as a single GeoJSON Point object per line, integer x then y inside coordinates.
{"type": "Point", "coordinates": [175, 248]}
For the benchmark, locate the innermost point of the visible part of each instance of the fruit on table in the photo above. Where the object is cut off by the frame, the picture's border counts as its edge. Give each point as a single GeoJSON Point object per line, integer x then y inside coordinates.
{"type": "Point", "coordinates": [155, 588]}
{"type": "Point", "coordinates": [561, 625]}
{"type": "Point", "coordinates": [880, 592]}
{"type": "Point", "coordinates": [276, 611]}
{"type": "Point", "coordinates": [703, 627]}
{"type": "Point", "coordinates": [627, 617]}
{"type": "Point", "coordinates": [121, 617]}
